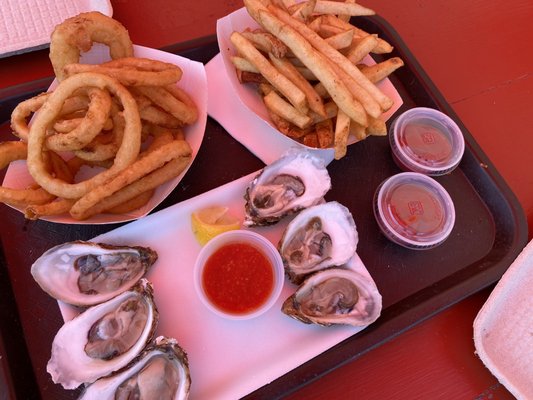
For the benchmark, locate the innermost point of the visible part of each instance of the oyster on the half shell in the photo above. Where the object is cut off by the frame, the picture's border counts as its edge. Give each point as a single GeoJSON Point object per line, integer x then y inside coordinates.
{"type": "Point", "coordinates": [319, 237]}
{"type": "Point", "coordinates": [295, 181]}
{"type": "Point", "coordinates": [335, 296]}
{"type": "Point", "coordinates": [160, 372]}
{"type": "Point", "coordinates": [86, 273]}
{"type": "Point", "coordinates": [104, 338]}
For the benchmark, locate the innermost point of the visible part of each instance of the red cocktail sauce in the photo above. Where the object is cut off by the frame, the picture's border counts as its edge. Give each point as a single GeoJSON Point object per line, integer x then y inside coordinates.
{"type": "Point", "coordinates": [238, 278]}
{"type": "Point", "coordinates": [427, 141]}
{"type": "Point", "coordinates": [416, 210]}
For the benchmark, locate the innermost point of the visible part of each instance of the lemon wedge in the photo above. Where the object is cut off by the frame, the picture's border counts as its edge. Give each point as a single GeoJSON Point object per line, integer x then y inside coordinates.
{"type": "Point", "coordinates": [212, 221]}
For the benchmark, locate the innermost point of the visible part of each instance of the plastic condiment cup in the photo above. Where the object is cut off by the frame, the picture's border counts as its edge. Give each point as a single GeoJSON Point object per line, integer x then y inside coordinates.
{"type": "Point", "coordinates": [260, 243]}
{"type": "Point", "coordinates": [426, 140]}
{"type": "Point", "coordinates": [414, 211]}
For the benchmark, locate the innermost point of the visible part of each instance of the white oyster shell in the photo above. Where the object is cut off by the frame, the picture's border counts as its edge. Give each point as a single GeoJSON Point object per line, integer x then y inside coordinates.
{"type": "Point", "coordinates": [296, 181]}
{"type": "Point", "coordinates": [168, 379]}
{"type": "Point", "coordinates": [335, 296]}
{"type": "Point", "coordinates": [319, 237]}
{"type": "Point", "coordinates": [107, 271]}
{"type": "Point", "coordinates": [70, 365]}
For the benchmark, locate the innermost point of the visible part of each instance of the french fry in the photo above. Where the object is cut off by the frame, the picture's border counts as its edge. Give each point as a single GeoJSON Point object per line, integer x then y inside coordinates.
{"type": "Point", "coordinates": [266, 42]}
{"type": "Point", "coordinates": [342, 130]}
{"type": "Point", "coordinates": [287, 128]}
{"type": "Point", "coordinates": [376, 127]}
{"type": "Point", "coordinates": [307, 74]}
{"type": "Point", "coordinates": [381, 70]}
{"type": "Point", "coordinates": [341, 40]}
{"type": "Point", "coordinates": [250, 77]}
{"type": "Point", "coordinates": [285, 110]}
{"type": "Point", "coordinates": [346, 17]}
{"type": "Point", "coordinates": [382, 46]}
{"type": "Point", "coordinates": [333, 56]}
{"type": "Point", "coordinates": [315, 24]}
{"type": "Point", "coordinates": [309, 56]}
{"type": "Point", "coordinates": [295, 96]}
{"type": "Point", "coordinates": [288, 3]}
{"type": "Point", "coordinates": [290, 71]}
{"type": "Point", "coordinates": [369, 104]}
{"type": "Point", "coordinates": [303, 11]}
{"type": "Point", "coordinates": [331, 111]}
{"type": "Point", "coordinates": [335, 7]}
{"type": "Point", "coordinates": [324, 133]}
{"type": "Point", "coordinates": [321, 90]}
{"type": "Point", "coordinates": [364, 46]}
{"type": "Point", "coordinates": [243, 64]}
{"type": "Point", "coordinates": [311, 140]}
{"type": "Point", "coordinates": [326, 30]}
{"type": "Point", "coordinates": [357, 131]}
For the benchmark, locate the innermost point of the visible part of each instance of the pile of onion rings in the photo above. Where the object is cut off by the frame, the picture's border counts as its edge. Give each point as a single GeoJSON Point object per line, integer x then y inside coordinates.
{"type": "Point", "coordinates": [123, 118]}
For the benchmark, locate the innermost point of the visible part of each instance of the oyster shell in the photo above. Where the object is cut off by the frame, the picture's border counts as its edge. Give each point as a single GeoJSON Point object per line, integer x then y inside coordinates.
{"type": "Point", "coordinates": [160, 372]}
{"type": "Point", "coordinates": [335, 296]}
{"type": "Point", "coordinates": [320, 237]}
{"type": "Point", "coordinates": [295, 181]}
{"type": "Point", "coordinates": [86, 273]}
{"type": "Point", "coordinates": [104, 338]}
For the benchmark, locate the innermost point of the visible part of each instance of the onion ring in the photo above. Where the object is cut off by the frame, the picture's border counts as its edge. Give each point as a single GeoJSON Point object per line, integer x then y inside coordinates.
{"type": "Point", "coordinates": [132, 71]}
{"type": "Point", "coordinates": [132, 204]}
{"type": "Point", "coordinates": [139, 177]}
{"type": "Point", "coordinates": [22, 111]}
{"type": "Point", "coordinates": [68, 124]}
{"type": "Point", "coordinates": [99, 151]}
{"type": "Point", "coordinates": [25, 108]}
{"type": "Point", "coordinates": [153, 114]}
{"type": "Point", "coordinates": [126, 154]}
{"type": "Point", "coordinates": [164, 99]}
{"type": "Point", "coordinates": [59, 206]}
{"type": "Point", "coordinates": [89, 127]}
{"type": "Point", "coordinates": [11, 151]}
{"type": "Point", "coordinates": [78, 33]}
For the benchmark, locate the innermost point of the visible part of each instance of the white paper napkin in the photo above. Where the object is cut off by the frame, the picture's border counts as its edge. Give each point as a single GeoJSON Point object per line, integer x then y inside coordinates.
{"type": "Point", "coordinates": [26, 25]}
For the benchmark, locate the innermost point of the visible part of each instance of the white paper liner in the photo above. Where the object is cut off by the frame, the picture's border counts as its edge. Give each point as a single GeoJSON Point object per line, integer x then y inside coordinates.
{"type": "Point", "coordinates": [193, 81]}
{"type": "Point", "coordinates": [26, 25]}
{"type": "Point", "coordinates": [258, 125]}
{"type": "Point", "coordinates": [503, 328]}
{"type": "Point", "coordinates": [228, 359]}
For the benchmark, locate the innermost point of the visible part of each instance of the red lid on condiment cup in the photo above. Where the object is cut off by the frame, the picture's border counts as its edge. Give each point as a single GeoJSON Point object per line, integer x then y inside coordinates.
{"type": "Point", "coordinates": [414, 211]}
{"type": "Point", "coordinates": [427, 141]}
{"type": "Point", "coordinates": [239, 237]}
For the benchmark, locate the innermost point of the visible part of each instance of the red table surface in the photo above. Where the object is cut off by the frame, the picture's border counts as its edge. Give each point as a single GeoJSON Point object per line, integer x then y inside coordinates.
{"type": "Point", "coordinates": [478, 55]}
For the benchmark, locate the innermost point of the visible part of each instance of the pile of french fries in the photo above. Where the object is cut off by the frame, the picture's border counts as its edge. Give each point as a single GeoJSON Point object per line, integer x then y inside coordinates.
{"type": "Point", "coordinates": [307, 61]}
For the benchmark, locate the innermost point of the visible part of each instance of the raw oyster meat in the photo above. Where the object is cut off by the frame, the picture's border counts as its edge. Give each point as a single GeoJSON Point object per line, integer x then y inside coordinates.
{"type": "Point", "coordinates": [104, 338]}
{"type": "Point", "coordinates": [86, 273]}
{"type": "Point", "coordinates": [160, 372]}
{"type": "Point", "coordinates": [295, 181]}
{"type": "Point", "coordinates": [319, 237]}
{"type": "Point", "coordinates": [335, 296]}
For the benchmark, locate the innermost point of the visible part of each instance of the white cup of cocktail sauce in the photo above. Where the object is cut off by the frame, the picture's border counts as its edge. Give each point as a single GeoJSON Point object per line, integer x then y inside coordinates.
{"type": "Point", "coordinates": [426, 140]}
{"type": "Point", "coordinates": [414, 211]}
{"type": "Point", "coordinates": [239, 275]}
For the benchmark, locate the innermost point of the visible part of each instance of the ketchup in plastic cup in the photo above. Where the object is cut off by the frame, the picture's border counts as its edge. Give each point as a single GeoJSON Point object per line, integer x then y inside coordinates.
{"type": "Point", "coordinates": [427, 141]}
{"type": "Point", "coordinates": [239, 274]}
{"type": "Point", "coordinates": [414, 211]}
